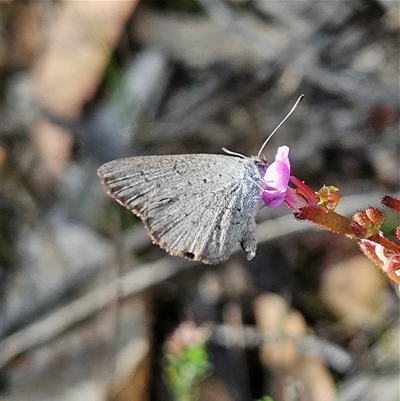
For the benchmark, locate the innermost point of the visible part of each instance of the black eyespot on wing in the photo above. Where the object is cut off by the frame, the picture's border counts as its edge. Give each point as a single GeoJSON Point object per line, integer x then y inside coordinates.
{"type": "Point", "coordinates": [188, 255]}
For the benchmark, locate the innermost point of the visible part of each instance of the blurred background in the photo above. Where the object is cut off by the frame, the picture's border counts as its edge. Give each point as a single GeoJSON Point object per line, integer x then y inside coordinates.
{"type": "Point", "coordinates": [87, 302]}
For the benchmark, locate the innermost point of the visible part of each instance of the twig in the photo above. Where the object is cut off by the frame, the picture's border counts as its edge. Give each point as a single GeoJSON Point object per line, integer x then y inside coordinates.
{"type": "Point", "coordinates": [250, 337]}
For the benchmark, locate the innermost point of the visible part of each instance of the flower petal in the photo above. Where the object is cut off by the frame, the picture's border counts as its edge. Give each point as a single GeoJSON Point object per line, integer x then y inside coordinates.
{"type": "Point", "coordinates": [276, 178]}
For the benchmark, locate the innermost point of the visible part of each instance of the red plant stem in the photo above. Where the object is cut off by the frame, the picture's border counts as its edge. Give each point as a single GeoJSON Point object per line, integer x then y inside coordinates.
{"type": "Point", "coordinates": [385, 243]}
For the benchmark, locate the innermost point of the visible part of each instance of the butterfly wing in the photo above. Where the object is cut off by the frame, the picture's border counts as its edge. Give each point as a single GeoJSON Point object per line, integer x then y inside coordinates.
{"type": "Point", "coordinates": [197, 206]}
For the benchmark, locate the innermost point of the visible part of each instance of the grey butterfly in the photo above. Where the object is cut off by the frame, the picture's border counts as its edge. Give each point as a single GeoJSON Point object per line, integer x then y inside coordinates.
{"type": "Point", "coordinates": [198, 206]}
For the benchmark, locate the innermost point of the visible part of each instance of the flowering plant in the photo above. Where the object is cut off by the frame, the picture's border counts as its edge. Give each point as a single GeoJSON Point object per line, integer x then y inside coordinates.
{"type": "Point", "coordinates": [186, 360]}
{"type": "Point", "coordinates": [319, 208]}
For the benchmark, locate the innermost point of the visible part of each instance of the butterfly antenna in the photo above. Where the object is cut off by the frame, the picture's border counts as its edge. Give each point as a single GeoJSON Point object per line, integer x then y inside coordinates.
{"type": "Point", "coordinates": [280, 124]}
{"type": "Point", "coordinates": [234, 153]}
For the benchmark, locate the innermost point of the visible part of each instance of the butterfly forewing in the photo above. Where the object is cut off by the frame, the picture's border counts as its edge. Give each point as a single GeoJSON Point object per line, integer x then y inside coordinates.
{"type": "Point", "coordinates": [197, 206]}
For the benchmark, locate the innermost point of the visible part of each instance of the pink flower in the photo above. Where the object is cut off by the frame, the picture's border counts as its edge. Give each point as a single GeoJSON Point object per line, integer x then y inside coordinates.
{"type": "Point", "coordinates": [319, 208]}
{"type": "Point", "coordinates": [276, 188]}
{"type": "Point", "coordinates": [276, 178]}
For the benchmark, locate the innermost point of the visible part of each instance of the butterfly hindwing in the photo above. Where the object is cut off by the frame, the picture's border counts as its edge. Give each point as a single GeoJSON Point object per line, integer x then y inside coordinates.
{"type": "Point", "coordinates": [197, 206]}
